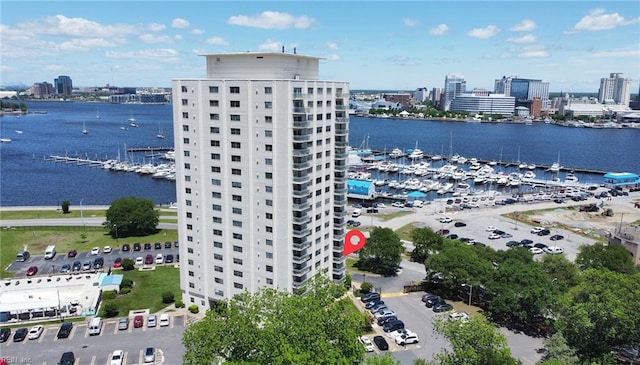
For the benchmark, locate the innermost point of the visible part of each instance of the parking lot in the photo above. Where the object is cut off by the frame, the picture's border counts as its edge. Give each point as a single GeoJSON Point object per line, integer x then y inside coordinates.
{"type": "Point", "coordinates": [97, 349]}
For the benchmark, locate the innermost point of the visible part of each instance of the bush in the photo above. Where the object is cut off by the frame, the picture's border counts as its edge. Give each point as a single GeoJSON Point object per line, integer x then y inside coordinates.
{"type": "Point", "coordinates": [125, 290]}
{"type": "Point", "coordinates": [128, 264]}
{"type": "Point", "coordinates": [347, 281]}
{"type": "Point", "coordinates": [110, 309]}
{"type": "Point", "coordinates": [109, 294]}
{"type": "Point", "coordinates": [65, 207]}
{"type": "Point", "coordinates": [168, 297]}
{"type": "Point", "coordinates": [179, 303]}
{"type": "Point", "coordinates": [366, 287]}
{"type": "Point", "coordinates": [193, 309]}
{"type": "Point", "coordinates": [126, 283]}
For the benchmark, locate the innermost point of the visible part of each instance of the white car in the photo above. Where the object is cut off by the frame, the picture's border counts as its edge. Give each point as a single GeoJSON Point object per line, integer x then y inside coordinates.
{"type": "Point", "coordinates": [151, 320]}
{"type": "Point", "coordinates": [491, 229]}
{"type": "Point", "coordinates": [396, 333]}
{"type": "Point", "coordinates": [535, 230]}
{"type": "Point", "coordinates": [95, 251]}
{"type": "Point", "coordinates": [139, 260]}
{"type": "Point", "coordinates": [554, 250]}
{"type": "Point", "coordinates": [459, 316]}
{"type": "Point", "coordinates": [408, 338]}
{"type": "Point", "coordinates": [446, 220]}
{"type": "Point", "coordinates": [116, 357]}
{"type": "Point", "coordinates": [366, 342]}
{"type": "Point", "coordinates": [494, 236]}
{"type": "Point", "coordinates": [107, 249]}
{"type": "Point", "coordinates": [164, 320]}
{"type": "Point", "coordinates": [535, 250]}
{"type": "Point", "coordinates": [35, 332]}
{"type": "Point", "coordinates": [159, 259]}
{"type": "Point", "coordinates": [380, 205]}
{"type": "Point", "coordinates": [397, 205]}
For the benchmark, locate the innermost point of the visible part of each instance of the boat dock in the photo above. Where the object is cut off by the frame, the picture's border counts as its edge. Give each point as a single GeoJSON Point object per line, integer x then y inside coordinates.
{"type": "Point", "coordinates": [150, 149]}
{"type": "Point", "coordinates": [75, 160]}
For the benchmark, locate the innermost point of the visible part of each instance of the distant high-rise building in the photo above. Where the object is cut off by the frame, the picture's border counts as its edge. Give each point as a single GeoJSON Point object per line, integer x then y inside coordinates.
{"type": "Point", "coordinates": [615, 90]}
{"type": "Point", "coordinates": [261, 149]}
{"type": "Point", "coordinates": [41, 90]}
{"type": "Point", "coordinates": [524, 90]}
{"type": "Point", "coordinates": [63, 85]}
{"type": "Point", "coordinates": [436, 95]}
{"type": "Point", "coordinates": [482, 101]}
{"type": "Point", "coordinates": [422, 93]}
{"type": "Point", "coordinates": [454, 85]}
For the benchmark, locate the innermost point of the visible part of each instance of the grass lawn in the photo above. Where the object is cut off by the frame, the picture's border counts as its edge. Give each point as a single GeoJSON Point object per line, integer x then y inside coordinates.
{"type": "Point", "coordinates": [147, 289]}
{"type": "Point", "coordinates": [404, 232]}
{"type": "Point", "coordinates": [36, 239]}
{"type": "Point", "coordinates": [73, 213]}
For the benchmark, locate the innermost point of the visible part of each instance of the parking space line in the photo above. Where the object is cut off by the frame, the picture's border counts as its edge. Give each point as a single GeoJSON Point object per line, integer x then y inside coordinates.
{"type": "Point", "coordinates": [391, 295]}
{"type": "Point", "coordinates": [140, 357]}
{"type": "Point", "coordinates": [93, 360]}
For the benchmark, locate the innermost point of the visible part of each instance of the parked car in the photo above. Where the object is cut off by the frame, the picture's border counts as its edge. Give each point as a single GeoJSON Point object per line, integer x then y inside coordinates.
{"type": "Point", "coordinates": [139, 261]}
{"type": "Point", "coordinates": [427, 296]}
{"type": "Point", "coordinates": [98, 263]}
{"type": "Point", "coordinates": [95, 250]}
{"type": "Point", "coordinates": [526, 242]}
{"type": "Point", "coordinates": [151, 320]}
{"type": "Point", "coordinates": [383, 320]}
{"type": "Point", "coordinates": [126, 247]}
{"type": "Point", "coordinates": [460, 224]}
{"type": "Point", "coordinates": [378, 307]}
{"type": "Point", "coordinates": [4, 334]}
{"type": "Point", "coordinates": [157, 246]}
{"type": "Point", "coordinates": [72, 253]}
{"type": "Point", "coordinates": [369, 297]}
{"type": "Point", "coordinates": [148, 260]}
{"type": "Point", "coordinates": [116, 357]}
{"type": "Point", "coordinates": [443, 307]}
{"type": "Point", "coordinates": [506, 235]}
{"type": "Point", "coordinates": [452, 236]}
{"type": "Point", "coordinates": [366, 343]}
{"type": "Point", "coordinates": [67, 358]}
{"type": "Point", "coordinates": [20, 334]}
{"type": "Point", "coordinates": [398, 332]}
{"type": "Point", "coordinates": [32, 270]}
{"type": "Point", "coordinates": [147, 246]}
{"type": "Point", "coordinates": [442, 232]}
{"type": "Point", "coordinates": [123, 323]}
{"type": "Point", "coordinates": [138, 321]}
{"type": "Point", "coordinates": [556, 237]}
{"type": "Point", "coordinates": [65, 330]}
{"type": "Point", "coordinates": [490, 229]}
{"type": "Point", "coordinates": [446, 220]}
{"type": "Point", "coordinates": [432, 301]}
{"type": "Point", "coordinates": [494, 236]}
{"type": "Point", "coordinates": [77, 265]}
{"type": "Point", "coordinates": [86, 265]}
{"type": "Point", "coordinates": [513, 244]}
{"type": "Point", "coordinates": [167, 244]}
{"type": "Point", "coordinates": [382, 344]}
{"type": "Point", "coordinates": [540, 245]}
{"type": "Point", "coordinates": [149, 354]}
{"type": "Point", "coordinates": [407, 338]}
{"type": "Point", "coordinates": [384, 312]}
{"type": "Point", "coordinates": [373, 303]}
{"type": "Point", "coordinates": [535, 250]}
{"type": "Point", "coordinates": [107, 249]}
{"type": "Point", "coordinates": [137, 247]}
{"type": "Point", "coordinates": [117, 262]}
{"type": "Point", "coordinates": [554, 250]}
{"type": "Point", "coordinates": [544, 232]}
{"type": "Point", "coordinates": [159, 259]}
{"type": "Point", "coordinates": [536, 230]}
{"type": "Point", "coordinates": [164, 320]}
{"type": "Point", "coordinates": [168, 259]}
{"type": "Point", "coordinates": [35, 332]}
{"type": "Point", "coordinates": [458, 316]}
{"type": "Point", "coordinates": [65, 268]}
{"type": "Point", "coordinates": [393, 325]}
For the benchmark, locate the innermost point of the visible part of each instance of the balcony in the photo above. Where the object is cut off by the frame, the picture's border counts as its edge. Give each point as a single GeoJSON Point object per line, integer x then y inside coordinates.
{"type": "Point", "coordinates": [302, 165]}
{"type": "Point", "coordinates": [302, 232]}
{"type": "Point", "coordinates": [302, 206]}
{"type": "Point", "coordinates": [300, 246]}
{"type": "Point", "coordinates": [299, 95]}
{"type": "Point", "coordinates": [301, 269]}
{"type": "Point", "coordinates": [341, 120]}
{"type": "Point", "coordinates": [301, 259]}
{"type": "Point", "coordinates": [301, 152]}
{"type": "Point", "coordinates": [341, 130]}
{"type": "Point", "coordinates": [301, 123]}
{"type": "Point", "coordinates": [302, 179]}
{"type": "Point", "coordinates": [300, 110]}
{"type": "Point", "coordinates": [305, 137]}
{"type": "Point", "coordinates": [341, 107]}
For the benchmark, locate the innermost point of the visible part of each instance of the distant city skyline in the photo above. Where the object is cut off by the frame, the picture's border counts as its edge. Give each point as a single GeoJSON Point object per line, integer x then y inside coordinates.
{"type": "Point", "coordinates": [372, 45]}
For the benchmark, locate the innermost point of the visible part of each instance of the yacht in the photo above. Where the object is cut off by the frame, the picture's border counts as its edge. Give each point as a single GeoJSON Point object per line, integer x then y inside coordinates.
{"type": "Point", "coordinates": [84, 129]}
{"type": "Point", "coordinates": [416, 154]}
{"type": "Point", "coordinates": [396, 153]}
{"type": "Point", "coordinates": [531, 166]}
{"type": "Point", "coordinates": [571, 178]}
{"type": "Point", "coordinates": [555, 167]}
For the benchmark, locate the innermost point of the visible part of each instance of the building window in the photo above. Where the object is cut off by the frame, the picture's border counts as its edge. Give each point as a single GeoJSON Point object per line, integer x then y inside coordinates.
{"type": "Point", "coordinates": [235, 117]}
{"type": "Point", "coordinates": [187, 203]}
{"type": "Point", "coordinates": [214, 130]}
{"type": "Point", "coordinates": [236, 198]}
{"type": "Point", "coordinates": [268, 175]}
{"type": "Point", "coordinates": [235, 131]}
{"type": "Point", "coordinates": [215, 156]}
{"type": "Point", "coordinates": [216, 207]}
{"type": "Point", "coordinates": [216, 194]}
{"type": "Point", "coordinates": [190, 227]}
{"type": "Point", "coordinates": [191, 273]}
{"type": "Point", "coordinates": [237, 261]}
{"type": "Point", "coordinates": [189, 215]}
{"type": "Point", "coordinates": [236, 172]}
{"type": "Point", "coordinates": [218, 280]}
{"type": "Point", "coordinates": [268, 119]}
{"type": "Point", "coordinates": [234, 103]}
{"type": "Point", "coordinates": [217, 232]}
{"type": "Point", "coordinates": [234, 89]}
{"type": "Point", "coordinates": [268, 90]}
{"type": "Point", "coordinates": [217, 256]}
{"type": "Point", "coordinates": [238, 285]}
{"type": "Point", "coordinates": [318, 116]}
{"type": "Point", "coordinates": [268, 189]}
{"type": "Point", "coordinates": [187, 178]}
{"type": "Point", "coordinates": [269, 229]}
{"type": "Point", "coordinates": [214, 116]}
{"type": "Point", "coordinates": [192, 285]}
{"type": "Point", "coordinates": [217, 244]}
{"type": "Point", "coordinates": [310, 91]}
{"type": "Point", "coordinates": [268, 147]}
{"type": "Point", "coordinates": [216, 219]}
{"type": "Point", "coordinates": [185, 102]}
{"type": "Point", "coordinates": [187, 166]}
{"type": "Point", "coordinates": [183, 89]}
{"type": "Point", "coordinates": [269, 268]}
{"type": "Point", "coordinates": [268, 215]}
{"type": "Point", "coordinates": [319, 129]}
{"type": "Point", "coordinates": [235, 145]}
{"type": "Point", "coordinates": [319, 103]}
{"type": "Point", "coordinates": [268, 242]}
{"type": "Point", "coordinates": [269, 203]}
{"type": "Point", "coordinates": [186, 154]}
{"type": "Point", "coordinates": [187, 190]}
{"type": "Point", "coordinates": [213, 89]}
{"type": "Point", "coordinates": [185, 115]}
{"type": "Point", "coordinates": [269, 281]}
{"type": "Point", "coordinates": [269, 255]}
{"type": "Point", "coordinates": [185, 140]}
{"type": "Point", "coordinates": [215, 168]}
{"type": "Point", "coordinates": [216, 182]}
{"type": "Point", "coordinates": [237, 224]}
{"type": "Point", "coordinates": [217, 268]}
{"type": "Point", "coordinates": [237, 248]}
{"type": "Point", "coordinates": [268, 133]}
{"type": "Point", "coordinates": [214, 103]}
{"type": "Point", "coordinates": [237, 210]}
{"type": "Point", "coordinates": [235, 158]}
{"type": "Point", "coordinates": [268, 105]}
{"type": "Point", "coordinates": [268, 161]}
{"type": "Point", "coordinates": [236, 184]}
{"type": "Point", "coordinates": [237, 273]}
{"type": "Point", "coordinates": [215, 143]}
{"type": "Point", "coordinates": [185, 128]}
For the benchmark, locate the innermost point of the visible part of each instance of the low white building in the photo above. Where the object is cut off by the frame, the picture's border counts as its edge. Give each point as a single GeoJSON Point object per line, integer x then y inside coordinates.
{"type": "Point", "coordinates": [481, 101]}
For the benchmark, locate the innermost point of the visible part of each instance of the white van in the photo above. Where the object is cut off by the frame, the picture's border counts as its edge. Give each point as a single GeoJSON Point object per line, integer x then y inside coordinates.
{"type": "Point", "coordinates": [95, 326]}
{"type": "Point", "coordinates": [164, 320]}
{"type": "Point", "coordinates": [356, 213]}
{"type": "Point", "coordinates": [50, 252]}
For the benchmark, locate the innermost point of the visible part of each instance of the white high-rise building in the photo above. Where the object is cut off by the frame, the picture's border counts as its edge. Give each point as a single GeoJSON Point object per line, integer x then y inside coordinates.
{"type": "Point", "coordinates": [261, 150]}
{"type": "Point", "coordinates": [615, 90]}
{"type": "Point", "coordinates": [454, 85]}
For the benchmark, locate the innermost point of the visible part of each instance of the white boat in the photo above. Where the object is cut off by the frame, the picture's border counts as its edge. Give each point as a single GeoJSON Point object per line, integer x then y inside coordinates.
{"type": "Point", "coordinates": [133, 122]}
{"type": "Point", "coordinates": [396, 153]}
{"type": "Point", "coordinates": [98, 114]}
{"type": "Point", "coordinates": [571, 178]}
{"type": "Point", "coordinates": [84, 129]}
{"type": "Point", "coordinates": [5, 140]}
{"type": "Point", "coordinates": [531, 166]}
{"type": "Point", "coordinates": [529, 175]}
{"type": "Point", "coordinates": [18, 131]}
{"type": "Point", "coordinates": [160, 134]}
{"type": "Point", "coordinates": [416, 153]}
{"type": "Point", "coordinates": [555, 167]}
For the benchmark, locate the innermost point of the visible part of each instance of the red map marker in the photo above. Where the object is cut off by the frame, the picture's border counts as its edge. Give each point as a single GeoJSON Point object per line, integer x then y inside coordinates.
{"type": "Point", "coordinates": [353, 241]}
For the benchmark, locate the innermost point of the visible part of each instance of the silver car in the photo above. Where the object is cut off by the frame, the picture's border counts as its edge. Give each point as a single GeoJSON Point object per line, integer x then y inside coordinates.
{"type": "Point", "coordinates": [123, 323]}
{"type": "Point", "coordinates": [151, 320]}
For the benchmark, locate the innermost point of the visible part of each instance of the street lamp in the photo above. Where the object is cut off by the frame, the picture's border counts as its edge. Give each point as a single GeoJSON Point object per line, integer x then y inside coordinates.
{"type": "Point", "coordinates": [116, 227]}
{"type": "Point", "coordinates": [81, 214]}
{"type": "Point", "coordinates": [470, 291]}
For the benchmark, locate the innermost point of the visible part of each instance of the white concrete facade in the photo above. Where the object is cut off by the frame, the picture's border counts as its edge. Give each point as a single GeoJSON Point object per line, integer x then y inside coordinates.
{"type": "Point", "coordinates": [261, 148]}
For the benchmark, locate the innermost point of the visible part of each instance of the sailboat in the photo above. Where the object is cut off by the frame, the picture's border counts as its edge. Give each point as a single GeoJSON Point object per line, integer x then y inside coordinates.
{"type": "Point", "coordinates": [160, 133]}
{"type": "Point", "coordinates": [133, 122]}
{"type": "Point", "coordinates": [98, 114]}
{"type": "Point", "coordinates": [84, 129]}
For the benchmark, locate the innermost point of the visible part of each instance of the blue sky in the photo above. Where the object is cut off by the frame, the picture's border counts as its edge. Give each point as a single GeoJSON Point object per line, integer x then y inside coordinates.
{"type": "Point", "coordinates": [372, 44]}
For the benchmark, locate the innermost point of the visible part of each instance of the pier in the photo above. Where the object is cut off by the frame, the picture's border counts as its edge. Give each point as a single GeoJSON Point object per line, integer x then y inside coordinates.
{"type": "Point", "coordinates": [150, 149]}
{"type": "Point", "coordinates": [75, 160]}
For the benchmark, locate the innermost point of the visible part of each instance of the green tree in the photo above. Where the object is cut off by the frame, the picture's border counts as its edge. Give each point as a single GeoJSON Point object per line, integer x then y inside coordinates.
{"type": "Point", "coordinates": [168, 297]}
{"type": "Point", "coordinates": [610, 257]}
{"type": "Point", "coordinates": [476, 342]}
{"type": "Point", "coordinates": [110, 309]}
{"type": "Point", "coordinates": [559, 352]}
{"type": "Point", "coordinates": [274, 327]}
{"type": "Point", "coordinates": [131, 216]}
{"type": "Point", "coordinates": [65, 207]}
{"type": "Point", "coordinates": [385, 359]}
{"type": "Point", "coordinates": [457, 264]}
{"type": "Point", "coordinates": [601, 313]}
{"type": "Point", "coordinates": [128, 264]}
{"type": "Point", "coordinates": [425, 241]}
{"type": "Point", "coordinates": [382, 253]}
{"type": "Point", "coordinates": [562, 272]}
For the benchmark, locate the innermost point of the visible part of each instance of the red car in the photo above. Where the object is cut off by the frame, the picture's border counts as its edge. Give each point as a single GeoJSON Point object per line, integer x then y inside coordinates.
{"type": "Point", "coordinates": [148, 259]}
{"type": "Point", "coordinates": [138, 321]}
{"type": "Point", "coordinates": [72, 253]}
{"type": "Point", "coordinates": [32, 270]}
{"type": "Point", "coordinates": [117, 263]}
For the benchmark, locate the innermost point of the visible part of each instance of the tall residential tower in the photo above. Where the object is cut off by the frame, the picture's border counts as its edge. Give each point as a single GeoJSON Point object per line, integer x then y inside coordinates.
{"type": "Point", "coordinates": [615, 90]}
{"type": "Point", "coordinates": [261, 149]}
{"type": "Point", "coordinates": [454, 85]}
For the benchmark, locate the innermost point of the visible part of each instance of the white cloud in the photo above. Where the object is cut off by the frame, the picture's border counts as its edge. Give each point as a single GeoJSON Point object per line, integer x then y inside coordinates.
{"type": "Point", "coordinates": [332, 45]}
{"type": "Point", "coordinates": [484, 33]}
{"type": "Point", "coordinates": [272, 20]}
{"type": "Point", "coordinates": [631, 51]}
{"type": "Point", "coordinates": [439, 30]}
{"type": "Point", "coordinates": [198, 51]}
{"type": "Point", "coordinates": [533, 52]}
{"type": "Point", "coordinates": [217, 41]}
{"type": "Point", "coordinates": [332, 57]}
{"type": "Point", "coordinates": [197, 31]}
{"type": "Point", "coordinates": [179, 23]}
{"type": "Point", "coordinates": [161, 54]}
{"type": "Point", "coordinates": [598, 20]}
{"type": "Point", "coordinates": [152, 38]}
{"type": "Point", "coordinates": [156, 27]}
{"type": "Point", "coordinates": [78, 27]}
{"type": "Point", "coordinates": [526, 25]}
{"type": "Point", "coordinates": [270, 46]}
{"type": "Point", "coordinates": [404, 60]}
{"type": "Point", "coordinates": [529, 38]}
{"type": "Point", "coordinates": [408, 22]}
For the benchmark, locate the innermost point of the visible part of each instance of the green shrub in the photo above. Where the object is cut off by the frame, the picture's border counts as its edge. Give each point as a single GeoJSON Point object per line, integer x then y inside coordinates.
{"type": "Point", "coordinates": [125, 290]}
{"type": "Point", "coordinates": [126, 283]}
{"type": "Point", "coordinates": [109, 294]}
{"type": "Point", "coordinates": [347, 281]}
{"type": "Point", "coordinates": [168, 297]}
{"type": "Point", "coordinates": [179, 303]}
{"type": "Point", "coordinates": [110, 309]}
{"type": "Point", "coordinates": [128, 264]}
{"type": "Point", "coordinates": [193, 308]}
{"type": "Point", "coordinates": [366, 287]}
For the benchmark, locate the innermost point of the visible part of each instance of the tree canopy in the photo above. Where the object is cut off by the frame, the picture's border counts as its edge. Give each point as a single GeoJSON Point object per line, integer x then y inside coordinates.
{"type": "Point", "coordinates": [131, 216]}
{"type": "Point", "coordinates": [610, 257]}
{"type": "Point", "coordinates": [274, 327]}
{"type": "Point", "coordinates": [383, 251]}
{"type": "Point", "coordinates": [457, 264]}
{"type": "Point", "coordinates": [425, 241]}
